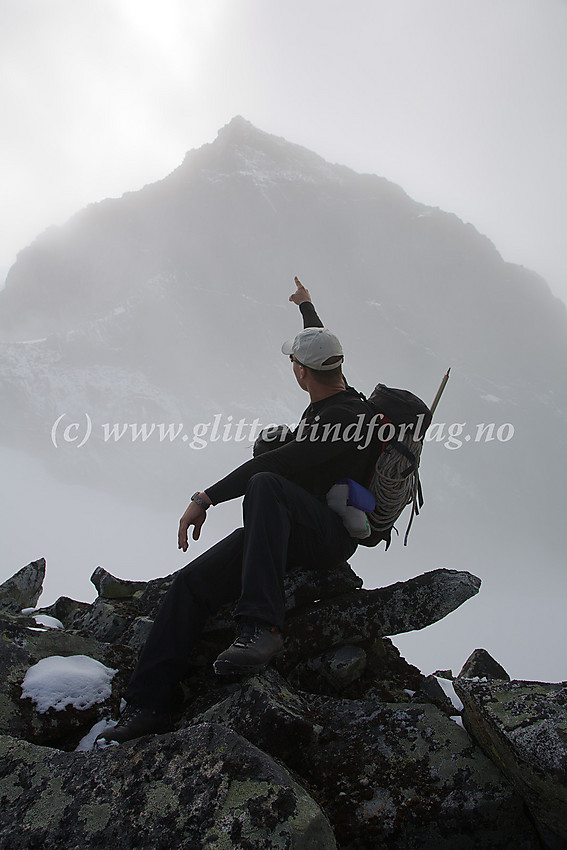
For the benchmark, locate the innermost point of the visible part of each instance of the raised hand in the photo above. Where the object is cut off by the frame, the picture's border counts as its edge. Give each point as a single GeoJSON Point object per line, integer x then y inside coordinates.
{"type": "Point", "coordinates": [301, 294]}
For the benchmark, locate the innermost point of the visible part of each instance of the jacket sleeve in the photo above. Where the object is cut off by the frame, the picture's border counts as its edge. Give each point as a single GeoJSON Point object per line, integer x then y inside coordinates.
{"type": "Point", "coordinates": [310, 317]}
{"type": "Point", "coordinates": [300, 454]}
{"type": "Point", "coordinates": [311, 320]}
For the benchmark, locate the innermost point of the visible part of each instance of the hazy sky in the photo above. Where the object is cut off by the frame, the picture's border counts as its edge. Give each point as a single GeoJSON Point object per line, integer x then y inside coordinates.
{"type": "Point", "coordinates": [462, 102]}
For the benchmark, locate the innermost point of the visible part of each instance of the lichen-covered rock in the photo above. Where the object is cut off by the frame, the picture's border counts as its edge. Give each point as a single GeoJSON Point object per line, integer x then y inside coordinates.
{"type": "Point", "coordinates": [390, 770]}
{"type": "Point", "coordinates": [203, 787]}
{"type": "Point", "coordinates": [122, 603]}
{"type": "Point", "coordinates": [65, 609]}
{"type": "Point", "coordinates": [320, 614]}
{"type": "Point", "coordinates": [388, 775]}
{"type": "Point", "coordinates": [20, 648]}
{"type": "Point", "coordinates": [303, 585]}
{"type": "Point", "coordinates": [268, 713]}
{"type": "Point", "coordinates": [24, 588]}
{"type": "Point", "coordinates": [523, 728]}
{"type": "Point", "coordinates": [400, 607]}
{"type": "Point", "coordinates": [148, 599]}
{"type": "Point", "coordinates": [331, 671]}
{"type": "Point", "coordinates": [431, 691]}
{"type": "Point", "coordinates": [480, 664]}
{"type": "Point", "coordinates": [136, 635]}
{"type": "Point", "coordinates": [406, 776]}
{"type": "Point", "coordinates": [384, 676]}
{"type": "Point", "coordinates": [444, 674]}
{"type": "Point", "coordinates": [340, 666]}
{"type": "Point", "coordinates": [104, 620]}
{"type": "Point", "coordinates": [110, 587]}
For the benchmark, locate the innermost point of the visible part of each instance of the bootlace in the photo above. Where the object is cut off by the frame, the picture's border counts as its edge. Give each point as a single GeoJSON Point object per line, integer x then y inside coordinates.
{"type": "Point", "coordinates": [247, 634]}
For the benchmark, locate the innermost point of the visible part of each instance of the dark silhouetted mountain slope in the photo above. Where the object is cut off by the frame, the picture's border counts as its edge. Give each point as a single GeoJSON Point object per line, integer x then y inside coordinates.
{"type": "Point", "coordinates": [170, 304]}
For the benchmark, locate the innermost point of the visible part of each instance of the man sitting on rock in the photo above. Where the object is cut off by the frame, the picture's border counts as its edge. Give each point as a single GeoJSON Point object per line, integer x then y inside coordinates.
{"type": "Point", "coordinates": [287, 522]}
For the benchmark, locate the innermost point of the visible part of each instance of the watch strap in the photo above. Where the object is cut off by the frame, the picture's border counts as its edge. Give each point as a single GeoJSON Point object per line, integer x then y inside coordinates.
{"type": "Point", "coordinates": [201, 502]}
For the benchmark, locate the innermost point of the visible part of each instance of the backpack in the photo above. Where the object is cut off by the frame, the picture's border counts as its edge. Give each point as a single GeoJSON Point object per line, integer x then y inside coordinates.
{"type": "Point", "coordinates": [394, 481]}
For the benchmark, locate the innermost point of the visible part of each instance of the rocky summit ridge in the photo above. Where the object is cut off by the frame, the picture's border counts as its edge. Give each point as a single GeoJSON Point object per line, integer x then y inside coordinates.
{"type": "Point", "coordinates": [340, 743]}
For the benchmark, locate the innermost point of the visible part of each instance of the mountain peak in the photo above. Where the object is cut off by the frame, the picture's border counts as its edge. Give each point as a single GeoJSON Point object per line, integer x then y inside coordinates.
{"type": "Point", "coordinates": [239, 127]}
{"type": "Point", "coordinates": [241, 148]}
{"type": "Point", "coordinates": [239, 132]}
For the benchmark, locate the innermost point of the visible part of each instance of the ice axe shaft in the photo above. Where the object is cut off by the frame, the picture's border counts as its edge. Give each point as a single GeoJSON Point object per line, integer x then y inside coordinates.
{"type": "Point", "coordinates": [439, 392]}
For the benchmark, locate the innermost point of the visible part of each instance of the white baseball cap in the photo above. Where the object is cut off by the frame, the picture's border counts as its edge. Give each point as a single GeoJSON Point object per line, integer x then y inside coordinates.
{"type": "Point", "coordinates": [313, 346]}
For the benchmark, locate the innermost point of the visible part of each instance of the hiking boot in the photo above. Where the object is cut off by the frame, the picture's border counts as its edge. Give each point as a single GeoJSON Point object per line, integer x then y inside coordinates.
{"type": "Point", "coordinates": [255, 645]}
{"type": "Point", "coordinates": [134, 722]}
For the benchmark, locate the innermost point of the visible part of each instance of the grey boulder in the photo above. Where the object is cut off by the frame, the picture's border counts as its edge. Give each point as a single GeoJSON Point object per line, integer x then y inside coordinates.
{"type": "Point", "coordinates": [203, 787]}
{"type": "Point", "coordinates": [23, 589]}
{"type": "Point", "coordinates": [480, 664]}
{"type": "Point", "coordinates": [110, 587]}
{"type": "Point", "coordinates": [523, 727]}
{"type": "Point", "coordinates": [268, 712]}
{"type": "Point", "coordinates": [406, 776]}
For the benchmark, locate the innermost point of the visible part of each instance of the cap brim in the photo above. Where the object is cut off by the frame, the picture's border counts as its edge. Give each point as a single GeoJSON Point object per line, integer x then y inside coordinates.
{"type": "Point", "coordinates": [287, 347]}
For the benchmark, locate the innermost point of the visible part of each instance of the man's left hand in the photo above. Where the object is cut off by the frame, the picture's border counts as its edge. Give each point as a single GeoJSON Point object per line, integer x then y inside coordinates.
{"type": "Point", "coordinates": [195, 516]}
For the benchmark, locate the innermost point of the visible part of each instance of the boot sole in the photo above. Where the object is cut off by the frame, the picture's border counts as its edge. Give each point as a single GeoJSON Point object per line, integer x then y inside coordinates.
{"type": "Point", "coordinates": [229, 668]}
{"type": "Point", "coordinates": [115, 741]}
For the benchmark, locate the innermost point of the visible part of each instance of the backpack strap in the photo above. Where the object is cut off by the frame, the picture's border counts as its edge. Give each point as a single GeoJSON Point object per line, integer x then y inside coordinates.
{"type": "Point", "coordinates": [399, 447]}
{"type": "Point", "coordinates": [415, 508]}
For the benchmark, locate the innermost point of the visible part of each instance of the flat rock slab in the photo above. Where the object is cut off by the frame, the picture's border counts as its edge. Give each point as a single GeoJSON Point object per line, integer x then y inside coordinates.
{"type": "Point", "coordinates": [523, 728]}
{"type": "Point", "coordinates": [400, 607]}
{"type": "Point", "coordinates": [203, 787]}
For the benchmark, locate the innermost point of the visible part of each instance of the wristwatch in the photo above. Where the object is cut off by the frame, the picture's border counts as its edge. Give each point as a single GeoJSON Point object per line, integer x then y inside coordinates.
{"type": "Point", "coordinates": [201, 502]}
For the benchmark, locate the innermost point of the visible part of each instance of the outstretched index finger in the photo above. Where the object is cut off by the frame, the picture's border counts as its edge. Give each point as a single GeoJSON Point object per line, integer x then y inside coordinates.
{"type": "Point", "coordinates": [301, 293]}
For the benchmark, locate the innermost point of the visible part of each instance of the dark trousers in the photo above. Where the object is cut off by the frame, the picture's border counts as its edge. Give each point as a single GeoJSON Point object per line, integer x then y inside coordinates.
{"type": "Point", "coordinates": [284, 526]}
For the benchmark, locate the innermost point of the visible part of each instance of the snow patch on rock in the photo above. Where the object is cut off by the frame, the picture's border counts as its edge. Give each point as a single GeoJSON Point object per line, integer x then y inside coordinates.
{"type": "Point", "coordinates": [57, 681]}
